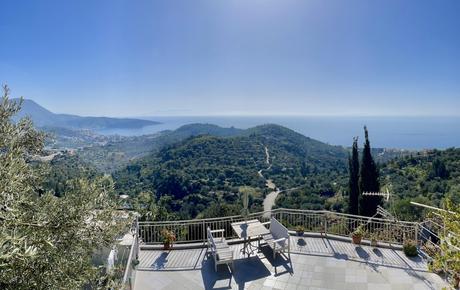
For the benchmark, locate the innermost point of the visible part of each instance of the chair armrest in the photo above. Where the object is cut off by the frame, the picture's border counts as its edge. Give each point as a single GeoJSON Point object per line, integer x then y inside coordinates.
{"type": "Point", "coordinates": [275, 242]}
{"type": "Point", "coordinates": [213, 248]}
{"type": "Point", "coordinates": [280, 240]}
{"type": "Point", "coordinates": [216, 233]}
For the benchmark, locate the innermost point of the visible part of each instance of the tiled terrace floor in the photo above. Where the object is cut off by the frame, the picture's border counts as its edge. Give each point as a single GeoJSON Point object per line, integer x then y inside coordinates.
{"type": "Point", "coordinates": [316, 263]}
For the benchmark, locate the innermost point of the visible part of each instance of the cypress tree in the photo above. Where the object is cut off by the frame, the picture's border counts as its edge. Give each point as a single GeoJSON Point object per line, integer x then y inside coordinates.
{"type": "Point", "coordinates": [353, 183]}
{"type": "Point", "coordinates": [369, 180]}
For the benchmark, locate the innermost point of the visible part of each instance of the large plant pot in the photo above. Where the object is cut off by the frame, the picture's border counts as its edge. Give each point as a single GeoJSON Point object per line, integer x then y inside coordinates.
{"type": "Point", "coordinates": [166, 246]}
{"type": "Point", "coordinates": [356, 239]}
{"type": "Point", "coordinates": [456, 281]}
{"type": "Point", "coordinates": [300, 233]}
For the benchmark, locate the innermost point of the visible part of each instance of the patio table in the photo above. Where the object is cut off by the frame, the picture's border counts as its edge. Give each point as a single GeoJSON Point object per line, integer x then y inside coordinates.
{"type": "Point", "coordinates": [247, 229]}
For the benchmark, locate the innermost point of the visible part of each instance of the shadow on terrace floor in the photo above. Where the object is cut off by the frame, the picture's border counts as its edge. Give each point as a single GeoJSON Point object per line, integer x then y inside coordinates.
{"type": "Point", "coordinates": [244, 271]}
{"type": "Point", "coordinates": [312, 261]}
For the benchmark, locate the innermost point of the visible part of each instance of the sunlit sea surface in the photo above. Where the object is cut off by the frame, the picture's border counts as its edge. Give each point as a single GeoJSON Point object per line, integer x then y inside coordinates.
{"type": "Point", "coordinates": [385, 132]}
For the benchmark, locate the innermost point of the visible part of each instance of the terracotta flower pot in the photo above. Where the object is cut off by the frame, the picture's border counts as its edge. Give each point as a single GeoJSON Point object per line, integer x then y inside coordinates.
{"type": "Point", "coordinates": [356, 239]}
{"type": "Point", "coordinates": [456, 281]}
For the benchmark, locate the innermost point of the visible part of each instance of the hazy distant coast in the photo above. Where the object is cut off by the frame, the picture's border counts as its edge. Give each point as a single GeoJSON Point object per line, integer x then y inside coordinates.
{"type": "Point", "coordinates": [387, 132]}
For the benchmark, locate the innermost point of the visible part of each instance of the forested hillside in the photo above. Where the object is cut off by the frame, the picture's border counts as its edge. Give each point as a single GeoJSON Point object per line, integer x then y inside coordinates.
{"type": "Point", "coordinates": [203, 173]}
{"type": "Point", "coordinates": [117, 152]}
{"type": "Point", "coordinates": [427, 177]}
{"type": "Point", "coordinates": [64, 168]}
{"type": "Point", "coordinates": [294, 156]}
{"type": "Point", "coordinates": [200, 170]}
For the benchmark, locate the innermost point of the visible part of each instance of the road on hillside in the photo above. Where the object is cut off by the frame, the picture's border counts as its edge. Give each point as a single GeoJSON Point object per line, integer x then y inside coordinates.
{"type": "Point", "coordinates": [270, 199]}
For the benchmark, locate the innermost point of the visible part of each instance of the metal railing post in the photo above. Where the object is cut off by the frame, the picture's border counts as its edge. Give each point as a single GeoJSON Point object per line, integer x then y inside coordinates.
{"type": "Point", "coordinates": [137, 238]}
{"type": "Point", "coordinates": [325, 224]}
{"type": "Point", "coordinates": [204, 232]}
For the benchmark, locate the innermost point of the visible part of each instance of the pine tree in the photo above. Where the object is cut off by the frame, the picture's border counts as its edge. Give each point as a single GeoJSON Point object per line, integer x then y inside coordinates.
{"type": "Point", "coordinates": [369, 180]}
{"type": "Point", "coordinates": [353, 183]}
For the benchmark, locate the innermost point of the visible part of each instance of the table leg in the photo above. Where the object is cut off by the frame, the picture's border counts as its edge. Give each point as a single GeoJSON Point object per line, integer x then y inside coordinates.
{"type": "Point", "coordinates": [245, 246]}
{"type": "Point", "coordinates": [251, 247]}
{"type": "Point", "coordinates": [248, 246]}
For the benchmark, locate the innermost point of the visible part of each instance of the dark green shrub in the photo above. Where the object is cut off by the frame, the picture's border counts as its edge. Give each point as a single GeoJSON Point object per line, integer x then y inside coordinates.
{"type": "Point", "coordinates": [410, 248]}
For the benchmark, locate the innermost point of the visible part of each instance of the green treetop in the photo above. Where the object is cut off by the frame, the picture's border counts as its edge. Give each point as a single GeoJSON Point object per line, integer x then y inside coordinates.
{"type": "Point", "coordinates": [46, 242]}
{"type": "Point", "coordinates": [353, 183]}
{"type": "Point", "coordinates": [369, 180]}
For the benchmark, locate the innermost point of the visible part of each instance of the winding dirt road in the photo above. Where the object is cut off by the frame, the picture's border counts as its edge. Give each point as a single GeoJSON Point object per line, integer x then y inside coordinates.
{"type": "Point", "coordinates": [270, 199]}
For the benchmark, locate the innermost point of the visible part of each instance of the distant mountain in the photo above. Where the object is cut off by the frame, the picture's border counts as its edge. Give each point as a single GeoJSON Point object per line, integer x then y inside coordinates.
{"type": "Point", "coordinates": [45, 118]}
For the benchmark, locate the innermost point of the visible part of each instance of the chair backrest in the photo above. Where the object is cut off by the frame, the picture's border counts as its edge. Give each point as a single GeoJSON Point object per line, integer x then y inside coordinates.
{"type": "Point", "coordinates": [210, 237]}
{"type": "Point", "coordinates": [277, 229]}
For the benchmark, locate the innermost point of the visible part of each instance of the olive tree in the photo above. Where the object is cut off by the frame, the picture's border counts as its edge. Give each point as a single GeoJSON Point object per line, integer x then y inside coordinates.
{"type": "Point", "coordinates": [47, 242]}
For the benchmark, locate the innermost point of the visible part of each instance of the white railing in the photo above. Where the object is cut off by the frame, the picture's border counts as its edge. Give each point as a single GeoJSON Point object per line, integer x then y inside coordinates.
{"type": "Point", "coordinates": [325, 222]}
{"type": "Point", "coordinates": [130, 272]}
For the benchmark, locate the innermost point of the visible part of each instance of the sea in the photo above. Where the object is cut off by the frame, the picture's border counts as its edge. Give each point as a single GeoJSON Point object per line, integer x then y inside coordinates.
{"type": "Point", "coordinates": [412, 133]}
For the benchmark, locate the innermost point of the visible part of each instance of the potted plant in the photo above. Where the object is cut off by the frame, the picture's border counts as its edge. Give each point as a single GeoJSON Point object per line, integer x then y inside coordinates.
{"type": "Point", "coordinates": [410, 248]}
{"type": "Point", "coordinates": [168, 238]}
{"type": "Point", "coordinates": [448, 256]}
{"type": "Point", "coordinates": [434, 267]}
{"type": "Point", "coordinates": [357, 235]}
{"type": "Point", "coordinates": [453, 266]}
{"type": "Point", "coordinates": [430, 249]}
{"type": "Point", "coordinates": [299, 230]}
{"type": "Point", "coordinates": [456, 280]}
{"type": "Point", "coordinates": [374, 242]}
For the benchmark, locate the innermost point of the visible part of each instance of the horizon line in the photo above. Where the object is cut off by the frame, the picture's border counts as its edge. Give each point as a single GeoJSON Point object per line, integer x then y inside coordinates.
{"type": "Point", "coordinates": [289, 116]}
{"type": "Point", "coordinates": [251, 115]}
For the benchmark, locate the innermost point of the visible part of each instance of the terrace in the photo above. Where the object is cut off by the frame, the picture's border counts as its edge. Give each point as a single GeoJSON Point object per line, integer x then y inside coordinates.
{"type": "Point", "coordinates": [324, 258]}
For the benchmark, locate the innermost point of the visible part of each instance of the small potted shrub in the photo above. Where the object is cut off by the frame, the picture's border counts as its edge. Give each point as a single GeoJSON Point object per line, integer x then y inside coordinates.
{"type": "Point", "coordinates": [299, 230]}
{"type": "Point", "coordinates": [434, 267]}
{"type": "Point", "coordinates": [357, 235]}
{"type": "Point", "coordinates": [454, 268]}
{"type": "Point", "coordinates": [430, 249]}
{"type": "Point", "coordinates": [168, 238]}
{"type": "Point", "coordinates": [374, 242]}
{"type": "Point", "coordinates": [410, 248]}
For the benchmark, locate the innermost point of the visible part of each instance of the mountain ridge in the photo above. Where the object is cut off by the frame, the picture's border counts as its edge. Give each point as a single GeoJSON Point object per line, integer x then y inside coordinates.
{"type": "Point", "coordinates": [42, 117]}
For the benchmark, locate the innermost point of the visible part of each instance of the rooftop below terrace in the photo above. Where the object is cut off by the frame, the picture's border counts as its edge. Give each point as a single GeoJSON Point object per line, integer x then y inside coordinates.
{"type": "Point", "coordinates": [316, 263]}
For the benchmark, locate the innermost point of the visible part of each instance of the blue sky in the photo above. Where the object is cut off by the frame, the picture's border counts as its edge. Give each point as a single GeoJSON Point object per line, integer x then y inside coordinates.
{"type": "Point", "coordinates": [218, 57]}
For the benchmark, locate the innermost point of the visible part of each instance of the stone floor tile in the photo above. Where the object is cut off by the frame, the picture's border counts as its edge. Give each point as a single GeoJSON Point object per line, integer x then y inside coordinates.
{"type": "Point", "coordinates": [322, 267]}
